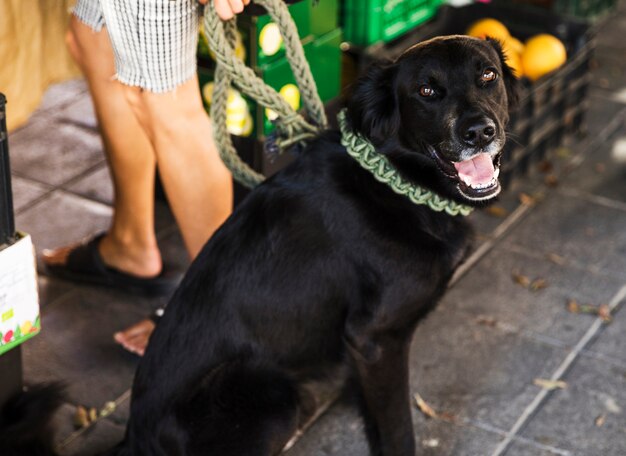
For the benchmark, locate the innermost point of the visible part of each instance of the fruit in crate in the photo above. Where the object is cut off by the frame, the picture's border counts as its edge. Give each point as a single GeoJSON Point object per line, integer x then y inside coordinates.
{"type": "Point", "coordinates": [291, 94]}
{"type": "Point", "coordinates": [512, 47]}
{"type": "Point", "coordinates": [542, 54]}
{"type": "Point", "coordinates": [514, 60]}
{"type": "Point", "coordinates": [238, 117]}
{"type": "Point", "coordinates": [270, 39]}
{"type": "Point", "coordinates": [489, 27]}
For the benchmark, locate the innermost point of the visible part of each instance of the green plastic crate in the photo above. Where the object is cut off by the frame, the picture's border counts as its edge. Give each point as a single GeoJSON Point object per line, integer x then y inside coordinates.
{"type": "Point", "coordinates": [324, 57]}
{"type": "Point", "coordinates": [366, 22]}
{"type": "Point", "coordinates": [313, 19]}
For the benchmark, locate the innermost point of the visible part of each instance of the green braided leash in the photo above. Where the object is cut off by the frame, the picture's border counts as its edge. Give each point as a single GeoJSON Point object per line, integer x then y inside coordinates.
{"type": "Point", "coordinates": [365, 154]}
{"type": "Point", "coordinates": [291, 127]}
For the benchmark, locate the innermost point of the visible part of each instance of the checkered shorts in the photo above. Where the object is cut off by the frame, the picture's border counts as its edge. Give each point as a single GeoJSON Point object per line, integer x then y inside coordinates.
{"type": "Point", "coordinates": [154, 41]}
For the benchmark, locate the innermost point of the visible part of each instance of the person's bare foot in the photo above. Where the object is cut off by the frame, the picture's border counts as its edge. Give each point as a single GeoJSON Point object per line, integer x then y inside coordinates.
{"type": "Point", "coordinates": [135, 338]}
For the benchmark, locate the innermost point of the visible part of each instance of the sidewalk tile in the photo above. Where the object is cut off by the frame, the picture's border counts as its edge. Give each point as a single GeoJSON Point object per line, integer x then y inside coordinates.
{"type": "Point", "coordinates": [62, 219]}
{"type": "Point", "coordinates": [475, 373]}
{"type": "Point", "coordinates": [53, 152]}
{"type": "Point", "coordinates": [588, 234]}
{"type": "Point", "coordinates": [51, 289]}
{"type": "Point", "coordinates": [25, 192]}
{"type": "Point", "coordinates": [568, 419]}
{"type": "Point", "coordinates": [611, 340]}
{"type": "Point", "coordinates": [76, 344]}
{"type": "Point", "coordinates": [100, 437]}
{"type": "Point", "coordinates": [601, 174]}
{"type": "Point", "coordinates": [338, 432]}
{"type": "Point", "coordinates": [489, 295]}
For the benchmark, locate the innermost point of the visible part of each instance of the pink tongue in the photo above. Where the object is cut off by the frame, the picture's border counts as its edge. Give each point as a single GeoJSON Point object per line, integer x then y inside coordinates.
{"type": "Point", "coordinates": [476, 171]}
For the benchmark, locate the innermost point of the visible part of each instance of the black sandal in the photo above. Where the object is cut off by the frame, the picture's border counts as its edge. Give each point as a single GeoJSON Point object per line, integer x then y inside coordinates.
{"type": "Point", "coordinates": [84, 264]}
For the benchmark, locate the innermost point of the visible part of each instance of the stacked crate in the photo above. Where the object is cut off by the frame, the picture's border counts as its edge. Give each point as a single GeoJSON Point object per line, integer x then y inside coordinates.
{"type": "Point", "coordinates": [262, 49]}
{"type": "Point", "coordinates": [374, 21]}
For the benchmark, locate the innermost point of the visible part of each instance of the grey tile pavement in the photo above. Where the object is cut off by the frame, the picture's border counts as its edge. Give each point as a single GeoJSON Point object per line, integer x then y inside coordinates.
{"type": "Point", "coordinates": [474, 358]}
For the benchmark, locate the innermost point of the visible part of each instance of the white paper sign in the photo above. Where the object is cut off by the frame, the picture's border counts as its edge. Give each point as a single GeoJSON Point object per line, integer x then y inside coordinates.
{"type": "Point", "coordinates": [19, 300]}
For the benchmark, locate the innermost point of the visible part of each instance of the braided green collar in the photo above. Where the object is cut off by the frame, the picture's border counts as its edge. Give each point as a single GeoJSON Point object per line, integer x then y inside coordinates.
{"type": "Point", "coordinates": [365, 154]}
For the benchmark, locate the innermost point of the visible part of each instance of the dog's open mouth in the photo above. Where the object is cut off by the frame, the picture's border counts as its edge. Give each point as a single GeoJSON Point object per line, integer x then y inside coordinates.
{"type": "Point", "coordinates": [477, 178]}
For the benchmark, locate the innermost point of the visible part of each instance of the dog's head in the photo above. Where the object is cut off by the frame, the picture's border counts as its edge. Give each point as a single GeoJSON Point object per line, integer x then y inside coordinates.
{"type": "Point", "coordinates": [439, 113]}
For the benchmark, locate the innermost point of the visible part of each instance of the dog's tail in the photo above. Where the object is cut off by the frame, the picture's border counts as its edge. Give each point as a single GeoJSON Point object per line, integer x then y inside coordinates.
{"type": "Point", "coordinates": [244, 408]}
{"type": "Point", "coordinates": [25, 421]}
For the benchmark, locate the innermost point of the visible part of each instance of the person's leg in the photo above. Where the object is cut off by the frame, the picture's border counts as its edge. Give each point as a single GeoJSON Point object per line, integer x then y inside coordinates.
{"type": "Point", "coordinates": [130, 244]}
{"type": "Point", "coordinates": [155, 45]}
{"type": "Point", "coordinates": [165, 96]}
{"type": "Point", "coordinates": [197, 184]}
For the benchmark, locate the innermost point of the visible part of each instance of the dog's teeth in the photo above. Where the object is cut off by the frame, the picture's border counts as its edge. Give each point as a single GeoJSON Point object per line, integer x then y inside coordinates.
{"type": "Point", "coordinates": [491, 183]}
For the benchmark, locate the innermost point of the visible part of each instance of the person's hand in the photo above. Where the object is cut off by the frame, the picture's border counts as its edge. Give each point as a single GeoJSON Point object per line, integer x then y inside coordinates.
{"type": "Point", "coordinates": [226, 9]}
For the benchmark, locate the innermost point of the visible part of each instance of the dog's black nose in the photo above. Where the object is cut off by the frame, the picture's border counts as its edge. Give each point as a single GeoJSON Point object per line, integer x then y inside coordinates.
{"type": "Point", "coordinates": [479, 133]}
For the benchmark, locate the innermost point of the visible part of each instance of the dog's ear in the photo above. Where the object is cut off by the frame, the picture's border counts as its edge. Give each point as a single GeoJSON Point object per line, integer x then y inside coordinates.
{"type": "Point", "coordinates": [372, 107]}
{"type": "Point", "coordinates": [511, 82]}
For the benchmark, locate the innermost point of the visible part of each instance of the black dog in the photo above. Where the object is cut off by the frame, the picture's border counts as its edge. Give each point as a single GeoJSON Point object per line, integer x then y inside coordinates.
{"type": "Point", "coordinates": [323, 266]}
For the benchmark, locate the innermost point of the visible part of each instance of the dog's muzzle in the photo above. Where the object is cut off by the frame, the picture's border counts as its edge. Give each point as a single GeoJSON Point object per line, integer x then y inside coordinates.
{"type": "Point", "coordinates": [476, 177]}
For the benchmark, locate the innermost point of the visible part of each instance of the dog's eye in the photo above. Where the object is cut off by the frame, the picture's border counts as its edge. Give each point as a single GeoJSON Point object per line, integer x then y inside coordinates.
{"type": "Point", "coordinates": [427, 91]}
{"type": "Point", "coordinates": [489, 76]}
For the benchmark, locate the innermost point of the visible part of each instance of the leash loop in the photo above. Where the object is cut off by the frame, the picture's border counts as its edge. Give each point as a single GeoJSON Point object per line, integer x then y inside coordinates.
{"type": "Point", "coordinates": [291, 127]}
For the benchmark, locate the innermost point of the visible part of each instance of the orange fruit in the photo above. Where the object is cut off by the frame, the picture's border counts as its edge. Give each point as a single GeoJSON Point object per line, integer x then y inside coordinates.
{"type": "Point", "coordinates": [513, 44]}
{"type": "Point", "coordinates": [514, 60]}
{"type": "Point", "coordinates": [489, 27]}
{"type": "Point", "coordinates": [543, 53]}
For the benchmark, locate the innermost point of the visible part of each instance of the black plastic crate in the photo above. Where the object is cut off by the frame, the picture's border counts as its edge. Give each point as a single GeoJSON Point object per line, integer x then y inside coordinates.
{"type": "Point", "coordinates": [549, 108]}
{"type": "Point", "coordinates": [585, 9]}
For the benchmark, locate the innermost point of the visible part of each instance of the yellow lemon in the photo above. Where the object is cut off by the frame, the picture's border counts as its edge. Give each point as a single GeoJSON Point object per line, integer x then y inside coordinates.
{"type": "Point", "coordinates": [489, 27]}
{"type": "Point", "coordinates": [543, 53]}
{"type": "Point", "coordinates": [270, 39]}
{"type": "Point", "coordinates": [291, 94]}
{"type": "Point", "coordinates": [236, 103]}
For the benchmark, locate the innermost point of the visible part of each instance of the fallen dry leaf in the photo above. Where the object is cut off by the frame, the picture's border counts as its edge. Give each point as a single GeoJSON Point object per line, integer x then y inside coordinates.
{"type": "Point", "coordinates": [520, 279]}
{"type": "Point", "coordinates": [486, 320]}
{"type": "Point", "coordinates": [551, 180]}
{"type": "Point", "coordinates": [600, 420]}
{"type": "Point", "coordinates": [556, 259]}
{"type": "Point", "coordinates": [497, 211]}
{"type": "Point", "coordinates": [424, 407]}
{"type": "Point", "coordinates": [429, 412]}
{"type": "Point", "coordinates": [573, 306]}
{"type": "Point", "coordinates": [604, 312]}
{"type": "Point", "coordinates": [526, 199]}
{"type": "Point", "coordinates": [108, 408]}
{"type": "Point", "coordinates": [538, 284]}
{"type": "Point", "coordinates": [549, 384]}
{"type": "Point", "coordinates": [81, 418]}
